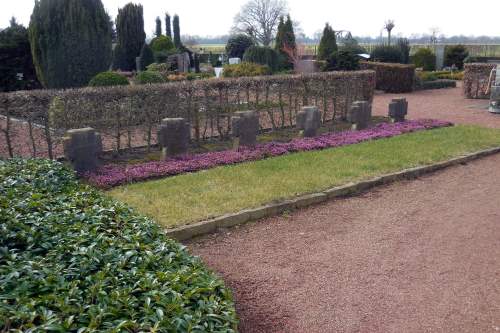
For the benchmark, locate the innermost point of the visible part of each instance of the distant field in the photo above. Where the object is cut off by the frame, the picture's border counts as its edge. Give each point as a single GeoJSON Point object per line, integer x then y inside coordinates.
{"type": "Point", "coordinates": [474, 50]}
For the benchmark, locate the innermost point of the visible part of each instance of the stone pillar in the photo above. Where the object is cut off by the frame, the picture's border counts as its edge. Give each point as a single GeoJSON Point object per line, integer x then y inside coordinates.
{"type": "Point", "coordinates": [398, 109]}
{"type": "Point", "coordinates": [439, 57]}
{"type": "Point", "coordinates": [82, 148]}
{"type": "Point", "coordinates": [360, 115]}
{"type": "Point", "coordinates": [309, 121]}
{"type": "Point", "coordinates": [245, 127]}
{"type": "Point", "coordinates": [173, 136]}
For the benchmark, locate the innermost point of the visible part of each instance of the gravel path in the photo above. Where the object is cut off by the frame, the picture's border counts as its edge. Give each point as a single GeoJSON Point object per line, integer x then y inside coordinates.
{"type": "Point", "coordinates": [446, 104]}
{"type": "Point", "coordinates": [417, 256]}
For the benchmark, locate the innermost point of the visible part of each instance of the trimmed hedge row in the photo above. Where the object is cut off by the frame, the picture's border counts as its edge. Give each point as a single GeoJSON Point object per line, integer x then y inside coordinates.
{"type": "Point", "coordinates": [476, 76]}
{"type": "Point", "coordinates": [392, 78]}
{"type": "Point", "coordinates": [72, 260]}
{"type": "Point", "coordinates": [128, 116]}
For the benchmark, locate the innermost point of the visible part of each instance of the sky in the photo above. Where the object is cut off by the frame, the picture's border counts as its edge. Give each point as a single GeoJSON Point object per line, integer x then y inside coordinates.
{"type": "Point", "coordinates": [361, 17]}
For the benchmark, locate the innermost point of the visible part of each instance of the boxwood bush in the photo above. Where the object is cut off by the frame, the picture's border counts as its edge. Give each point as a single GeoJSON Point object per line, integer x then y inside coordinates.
{"type": "Point", "coordinates": [73, 260]}
{"type": "Point", "coordinates": [107, 79]}
{"type": "Point", "coordinates": [246, 69]}
{"type": "Point", "coordinates": [149, 77]}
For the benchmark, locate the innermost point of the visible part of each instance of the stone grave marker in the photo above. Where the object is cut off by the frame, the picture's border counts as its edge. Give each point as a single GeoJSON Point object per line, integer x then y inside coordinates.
{"type": "Point", "coordinates": [309, 121]}
{"type": "Point", "coordinates": [82, 148]}
{"type": "Point", "coordinates": [173, 136]}
{"type": "Point", "coordinates": [234, 61]}
{"type": "Point", "coordinates": [245, 127]}
{"type": "Point", "coordinates": [360, 115]}
{"type": "Point", "coordinates": [398, 109]}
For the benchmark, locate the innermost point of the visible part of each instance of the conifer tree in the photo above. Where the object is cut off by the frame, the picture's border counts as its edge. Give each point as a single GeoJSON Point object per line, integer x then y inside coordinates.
{"type": "Point", "coordinates": [158, 27]}
{"type": "Point", "coordinates": [146, 57]}
{"type": "Point", "coordinates": [70, 41]}
{"type": "Point", "coordinates": [280, 35]}
{"type": "Point", "coordinates": [131, 35]}
{"type": "Point", "coordinates": [328, 43]}
{"type": "Point", "coordinates": [177, 32]}
{"type": "Point", "coordinates": [168, 25]}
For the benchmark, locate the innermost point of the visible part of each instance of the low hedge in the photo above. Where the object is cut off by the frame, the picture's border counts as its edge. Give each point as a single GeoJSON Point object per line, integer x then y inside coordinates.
{"type": "Point", "coordinates": [436, 84]}
{"type": "Point", "coordinates": [392, 78]}
{"type": "Point", "coordinates": [246, 69]}
{"type": "Point", "coordinates": [73, 260]}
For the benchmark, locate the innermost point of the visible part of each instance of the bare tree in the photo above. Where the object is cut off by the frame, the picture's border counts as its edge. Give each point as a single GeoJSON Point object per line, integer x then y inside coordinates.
{"type": "Point", "coordinates": [389, 25]}
{"type": "Point", "coordinates": [260, 18]}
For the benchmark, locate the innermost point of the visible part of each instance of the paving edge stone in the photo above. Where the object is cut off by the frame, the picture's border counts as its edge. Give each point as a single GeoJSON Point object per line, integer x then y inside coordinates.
{"type": "Point", "coordinates": [230, 220]}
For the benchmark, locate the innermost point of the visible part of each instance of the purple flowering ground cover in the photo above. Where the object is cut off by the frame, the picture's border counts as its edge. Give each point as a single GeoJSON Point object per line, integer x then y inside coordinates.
{"type": "Point", "coordinates": [112, 175]}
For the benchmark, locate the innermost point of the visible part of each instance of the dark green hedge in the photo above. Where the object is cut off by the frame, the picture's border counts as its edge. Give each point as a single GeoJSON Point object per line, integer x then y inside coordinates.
{"type": "Point", "coordinates": [436, 84]}
{"type": "Point", "coordinates": [392, 78]}
{"type": "Point", "coordinates": [72, 260]}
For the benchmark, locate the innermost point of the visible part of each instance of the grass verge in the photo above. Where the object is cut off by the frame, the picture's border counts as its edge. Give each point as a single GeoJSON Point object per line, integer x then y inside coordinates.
{"type": "Point", "coordinates": [192, 197]}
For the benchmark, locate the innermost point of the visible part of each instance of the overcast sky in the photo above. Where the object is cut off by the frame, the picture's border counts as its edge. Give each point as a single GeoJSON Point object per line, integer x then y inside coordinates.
{"type": "Point", "coordinates": [361, 17]}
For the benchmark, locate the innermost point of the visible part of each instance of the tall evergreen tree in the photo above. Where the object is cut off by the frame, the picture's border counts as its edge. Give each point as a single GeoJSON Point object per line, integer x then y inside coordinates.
{"type": "Point", "coordinates": [147, 56]}
{"type": "Point", "coordinates": [177, 32]}
{"type": "Point", "coordinates": [280, 35]}
{"type": "Point", "coordinates": [168, 25]}
{"type": "Point", "coordinates": [328, 43]}
{"type": "Point", "coordinates": [70, 41]}
{"type": "Point", "coordinates": [15, 59]}
{"type": "Point", "coordinates": [290, 40]}
{"type": "Point", "coordinates": [131, 35]}
{"type": "Point", "coordinates": [158, 27]}
{"type": "Point", "coordinates": [285, 41]}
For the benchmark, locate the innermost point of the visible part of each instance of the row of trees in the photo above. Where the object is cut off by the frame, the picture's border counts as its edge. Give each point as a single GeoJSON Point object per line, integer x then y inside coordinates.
{"type": "Point", "coordinates": [69, 41]}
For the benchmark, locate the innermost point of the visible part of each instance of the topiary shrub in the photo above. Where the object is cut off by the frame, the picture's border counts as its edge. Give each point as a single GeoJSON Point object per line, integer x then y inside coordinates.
{"type": "Point", "coordinates": [387, 53]}
{"type": "Point", "coordinates": [246, 69]}
{"type": "Point", "coordinates": [342, 61]}
{"type": "Point", "coordinates": [455, 55]}
{"type": "Point", "coordinates": [74, 260]}
{"type": "Point", "coordinates": [106, 79]}
{"type": "Point", "coordinates": [262, 55]}
{"type": "Point", "coordinates": [237, 45]}
{"type": "Point", "coordinates": [149, 77]}
{"type": "Point", "coordinates": [392, 78]}
{"type": "Point", "coordinates": [161, 43]}
{"type": "Point", "coordinates": [70, 42]}
{"type": "Point", "coordinates": [424, 58]}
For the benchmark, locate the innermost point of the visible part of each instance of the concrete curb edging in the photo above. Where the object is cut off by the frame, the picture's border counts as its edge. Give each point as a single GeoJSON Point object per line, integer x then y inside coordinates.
{"type": "Point", "coordinates": [272, 209]}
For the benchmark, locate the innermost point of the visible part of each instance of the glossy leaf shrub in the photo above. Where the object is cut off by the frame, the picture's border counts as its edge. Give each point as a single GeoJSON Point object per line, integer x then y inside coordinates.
{"type": "Point", "coordinates": [72, 260]}
{"type": "Point", "coordinates": [114, 175]}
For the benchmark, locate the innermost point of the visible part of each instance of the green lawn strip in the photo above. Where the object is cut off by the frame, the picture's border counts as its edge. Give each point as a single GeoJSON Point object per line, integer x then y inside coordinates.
{"type": "Point", "coordinates": [197, 196]}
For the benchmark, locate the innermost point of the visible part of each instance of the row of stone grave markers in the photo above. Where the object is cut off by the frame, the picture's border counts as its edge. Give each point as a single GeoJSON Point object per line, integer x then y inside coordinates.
{"type": "Point", "coordinates": [82, 147]}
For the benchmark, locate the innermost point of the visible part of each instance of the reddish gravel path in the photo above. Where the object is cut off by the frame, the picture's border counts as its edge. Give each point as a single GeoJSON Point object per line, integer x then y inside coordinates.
{"type": "Point", "coordinates": [419, 256]}
{"type": "Point", "coordinates": [446, 104]}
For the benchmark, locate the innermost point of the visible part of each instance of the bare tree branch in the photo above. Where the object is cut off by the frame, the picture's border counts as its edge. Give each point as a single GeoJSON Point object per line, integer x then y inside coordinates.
{"type": "Point", "coordinates": [260, 18]}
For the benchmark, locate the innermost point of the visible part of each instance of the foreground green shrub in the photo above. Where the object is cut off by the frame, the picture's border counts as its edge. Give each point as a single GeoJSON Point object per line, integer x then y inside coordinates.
{"type": "Point", "coordinates": [73, 260]}
{"type": "Point", "coordinates": [387, 53]}
{"type": "Point", "coordinates": [149, 77]}
{"type": "Point", "coordinates": [424, 58]}
{"type": "Point", "coordinates": [262, 55]}
{"type": "Point", "coordinates": [106, 79]}
{"type": "Point", "coordinates": [246, 69]}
